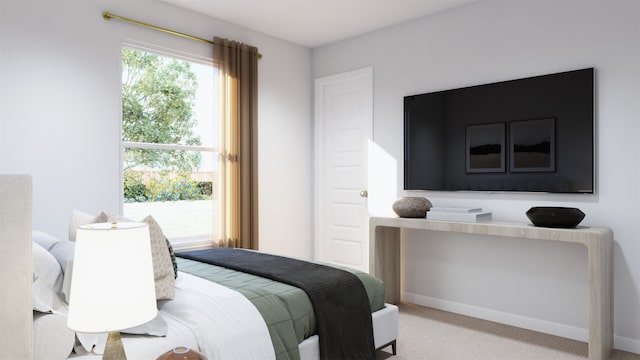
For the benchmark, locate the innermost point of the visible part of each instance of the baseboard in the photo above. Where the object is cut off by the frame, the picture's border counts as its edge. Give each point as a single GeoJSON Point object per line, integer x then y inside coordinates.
{"type": "Point", "coordinates": [626, 344]}
{"type": "Point", "coordinates": [547, 327]}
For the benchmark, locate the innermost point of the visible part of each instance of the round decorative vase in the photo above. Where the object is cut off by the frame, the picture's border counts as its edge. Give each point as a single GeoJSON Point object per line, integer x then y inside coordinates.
{"type": "Point", "coordinates": [412, 207]}
{"type": "Point", "coordinates": [181, 353]}
{"type": "Point", "coordinates": [555, 216]}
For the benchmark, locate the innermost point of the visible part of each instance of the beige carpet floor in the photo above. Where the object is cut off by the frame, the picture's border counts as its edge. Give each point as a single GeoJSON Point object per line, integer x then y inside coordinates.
{"type": "Point", "coordinates": [426, 333]}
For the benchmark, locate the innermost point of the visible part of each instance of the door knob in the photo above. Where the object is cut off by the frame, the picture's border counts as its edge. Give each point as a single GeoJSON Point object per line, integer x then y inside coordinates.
{"type": "Point", "coordinates": [364, 193]}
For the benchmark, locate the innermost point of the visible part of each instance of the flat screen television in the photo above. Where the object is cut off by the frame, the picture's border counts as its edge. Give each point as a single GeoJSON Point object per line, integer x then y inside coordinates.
{"type": "Point", "coordinates": [532, 135]}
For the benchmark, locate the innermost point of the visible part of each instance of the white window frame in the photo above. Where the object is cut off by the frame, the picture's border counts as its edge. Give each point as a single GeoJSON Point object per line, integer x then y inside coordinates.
{"type": "Point", "coordinates": [184, 242]}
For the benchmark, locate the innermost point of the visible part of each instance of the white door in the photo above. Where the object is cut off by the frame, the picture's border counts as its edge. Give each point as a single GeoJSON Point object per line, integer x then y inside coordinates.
{"type": "Point", "coordinates": [343, 128]}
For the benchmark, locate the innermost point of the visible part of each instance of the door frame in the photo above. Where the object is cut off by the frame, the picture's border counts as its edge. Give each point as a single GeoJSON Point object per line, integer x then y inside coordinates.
{"type": "Point", "coordinates": [319, 223]}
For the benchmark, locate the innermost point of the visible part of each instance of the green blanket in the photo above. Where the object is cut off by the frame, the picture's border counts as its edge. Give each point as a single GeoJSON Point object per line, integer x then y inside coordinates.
{"type": "Point", "coordinates": [286, 310]}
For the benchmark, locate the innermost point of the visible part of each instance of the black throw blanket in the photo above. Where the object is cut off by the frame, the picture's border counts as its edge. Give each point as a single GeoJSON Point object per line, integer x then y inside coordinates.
{"type": "Point", "coordinates": [340, 303]}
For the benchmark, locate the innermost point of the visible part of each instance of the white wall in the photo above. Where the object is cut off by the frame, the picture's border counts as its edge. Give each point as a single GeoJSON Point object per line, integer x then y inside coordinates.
{"type": "Point", "coordinates": [523, 282]}
{"type": "Point", "coordinates": [60, 109]}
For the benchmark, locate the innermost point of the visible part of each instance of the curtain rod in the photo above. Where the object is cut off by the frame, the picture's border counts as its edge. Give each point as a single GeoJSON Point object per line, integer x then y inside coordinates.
{"type": "Point", "coordinates": [108, 16]}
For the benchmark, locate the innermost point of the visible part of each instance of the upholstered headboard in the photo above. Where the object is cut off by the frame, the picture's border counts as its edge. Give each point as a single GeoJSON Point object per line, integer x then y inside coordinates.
{"type": "Point", "coordinates": [15, 267]}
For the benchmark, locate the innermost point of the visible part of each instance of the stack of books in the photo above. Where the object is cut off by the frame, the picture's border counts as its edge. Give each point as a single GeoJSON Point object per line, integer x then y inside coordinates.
{"type": "Point", "coordinates": [458, 214]}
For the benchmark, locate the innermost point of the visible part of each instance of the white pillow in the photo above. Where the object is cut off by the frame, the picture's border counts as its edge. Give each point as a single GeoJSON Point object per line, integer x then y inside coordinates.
{"type": "Point", "coordinates": [90, 343]}
{"type": "Point", "coordinates": [95, 342]}
{"type": "Point", "coordinates": [78, 218]}
{"type": "Point", "coordinates": [43, 239]}
{"type": "Point", "coordinates": [52, 339]}
{"type": "Point", "coordinates": [47, 283]}
{"type": "Point", "coordinates": [64, 251]}
{"type": "Point", "coordinates": [155, 327]}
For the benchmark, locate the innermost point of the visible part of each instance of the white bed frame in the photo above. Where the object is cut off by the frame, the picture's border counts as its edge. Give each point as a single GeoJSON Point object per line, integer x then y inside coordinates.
{"type": "Point", "coordinates": [385, 333]}
{"type": "Point", "coordinates": [16, 279]}
{"type": "Point", "coordinates": [15, 267]}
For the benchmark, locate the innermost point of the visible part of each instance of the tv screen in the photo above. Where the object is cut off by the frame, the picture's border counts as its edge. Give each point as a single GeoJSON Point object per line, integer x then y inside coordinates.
{"type": "Point", "coordinates": [534, 134]}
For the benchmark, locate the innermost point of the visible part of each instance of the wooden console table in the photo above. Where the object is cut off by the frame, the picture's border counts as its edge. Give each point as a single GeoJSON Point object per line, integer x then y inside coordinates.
{"type": "Point", "coordinates": [384, 262]}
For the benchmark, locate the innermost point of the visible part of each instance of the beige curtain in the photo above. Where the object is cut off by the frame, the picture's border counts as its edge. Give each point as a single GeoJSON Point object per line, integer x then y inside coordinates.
{"type": "Point", "coordinates": [237, 223]}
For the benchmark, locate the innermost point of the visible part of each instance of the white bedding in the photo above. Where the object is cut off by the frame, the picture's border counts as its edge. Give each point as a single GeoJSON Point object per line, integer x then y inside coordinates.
{"type": "Point", "coordinates": [52, 339]}
{"type": "Point", "coordinates": [222, 331]}
{"type": "Point", "coordinates": [219, 332]}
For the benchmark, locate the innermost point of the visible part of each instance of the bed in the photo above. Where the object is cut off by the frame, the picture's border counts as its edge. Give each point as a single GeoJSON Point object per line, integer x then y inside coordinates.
{"type": "Point", "coordinates": [204, 313]}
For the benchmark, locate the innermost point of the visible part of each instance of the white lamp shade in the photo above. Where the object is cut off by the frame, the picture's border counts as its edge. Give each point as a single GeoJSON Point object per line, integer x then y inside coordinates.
{"type": "Point", "coordinates": [112, 285]}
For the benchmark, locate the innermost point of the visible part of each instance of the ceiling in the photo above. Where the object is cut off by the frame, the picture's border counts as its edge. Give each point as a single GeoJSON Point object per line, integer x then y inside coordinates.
{"type": "Point", "coordinates": [314, 23]}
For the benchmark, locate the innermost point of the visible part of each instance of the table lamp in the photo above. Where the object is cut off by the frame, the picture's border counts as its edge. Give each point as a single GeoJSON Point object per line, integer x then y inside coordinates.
{"type": "Point", "coordinates": [112, 284]}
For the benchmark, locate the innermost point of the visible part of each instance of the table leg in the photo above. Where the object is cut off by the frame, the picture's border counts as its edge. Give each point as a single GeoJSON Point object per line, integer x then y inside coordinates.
{"type": "Point", "coordinates": [385, 260]}
{"type": "Point", "coordinates": [600, 302]}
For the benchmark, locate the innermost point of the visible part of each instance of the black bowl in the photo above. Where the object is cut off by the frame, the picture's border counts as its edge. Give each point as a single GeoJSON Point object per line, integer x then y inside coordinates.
{"type": "Point", "coordinates": [555, 217]}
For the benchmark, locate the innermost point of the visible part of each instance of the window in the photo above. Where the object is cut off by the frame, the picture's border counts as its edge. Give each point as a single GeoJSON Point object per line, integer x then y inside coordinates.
{"type": "Point", "coordinates": [169, 140]}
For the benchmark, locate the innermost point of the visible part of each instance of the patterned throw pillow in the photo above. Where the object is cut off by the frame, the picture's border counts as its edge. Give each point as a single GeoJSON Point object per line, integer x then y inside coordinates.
{"type": "Point", "coordinates": [173, 258]}
{"type": "Point", "coordinates": [163, 272]}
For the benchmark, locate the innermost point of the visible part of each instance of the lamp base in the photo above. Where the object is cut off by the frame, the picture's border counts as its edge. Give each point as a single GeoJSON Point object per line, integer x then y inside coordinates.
{"type": "Point", "coordinates": [114, 349]}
